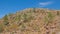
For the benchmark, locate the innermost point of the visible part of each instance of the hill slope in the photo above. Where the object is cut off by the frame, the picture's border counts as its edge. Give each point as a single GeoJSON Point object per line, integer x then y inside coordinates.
{"type": "Point", "coordinates": [31, 21]}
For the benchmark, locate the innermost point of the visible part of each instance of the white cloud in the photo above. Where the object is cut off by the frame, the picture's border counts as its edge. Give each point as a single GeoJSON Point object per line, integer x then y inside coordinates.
{"type": "Point", "coordinates": [43, 4]}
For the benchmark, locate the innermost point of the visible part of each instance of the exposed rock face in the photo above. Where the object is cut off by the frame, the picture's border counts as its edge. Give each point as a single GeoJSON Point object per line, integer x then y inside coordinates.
{"type": "Point", "coordinates": [32, 21]}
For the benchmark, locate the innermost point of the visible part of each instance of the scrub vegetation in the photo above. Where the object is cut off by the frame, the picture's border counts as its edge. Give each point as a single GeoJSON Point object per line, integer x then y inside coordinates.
{"type": "Point", "coordinates": [31, 21]}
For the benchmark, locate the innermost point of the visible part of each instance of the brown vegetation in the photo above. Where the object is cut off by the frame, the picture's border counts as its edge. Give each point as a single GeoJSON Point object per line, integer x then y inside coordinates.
{"type": "Point", "coordinates": [31, 21]}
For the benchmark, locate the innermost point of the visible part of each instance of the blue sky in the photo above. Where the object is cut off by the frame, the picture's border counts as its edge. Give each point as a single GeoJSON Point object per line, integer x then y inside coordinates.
{"type": "Point", "coordinates": [11, 6]}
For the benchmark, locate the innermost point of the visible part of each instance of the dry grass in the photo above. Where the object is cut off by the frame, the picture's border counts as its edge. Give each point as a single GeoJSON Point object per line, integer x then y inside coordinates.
{"type": "Point", "coordinates": [31, 21]}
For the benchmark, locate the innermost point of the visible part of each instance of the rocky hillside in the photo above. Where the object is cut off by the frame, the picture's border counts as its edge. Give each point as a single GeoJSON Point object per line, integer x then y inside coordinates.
{"type": "Point", "coordinates": [31, 21]}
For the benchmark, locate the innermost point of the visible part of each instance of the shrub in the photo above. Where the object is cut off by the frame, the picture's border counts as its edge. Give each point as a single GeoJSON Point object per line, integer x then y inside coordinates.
{"type": "Point", "coordinates": [50, 17]}
{"type": "Point", "coordinates": [34, 10]}
{"type": "Point", "coordinates": [42, 11]}
{"type": "Point", "coordinates": [58, 13]}
{"type": "Point", "coordinates": [46, 19]}
{"type": "Point", "coordinates": [25, 17]}
{"type": "Point", "coordinates": [5, 18]}
{"type": "Point", "coordinates": [12, 33]}
{"type": "Point", "coordinates": [36, 28]}
{"type": "Point", "coordinates": [6, 23]}
{"type": "Point", "coordinates": [1, 28]}
{"type": "Point", "coordinates": [23, 27]}
{"type": "Point", "coordinates": [17, 18]}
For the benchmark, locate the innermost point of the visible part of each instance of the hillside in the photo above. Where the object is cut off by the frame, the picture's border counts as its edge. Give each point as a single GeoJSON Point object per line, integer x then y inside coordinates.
{"type": "Point", "coordinates": [31, 21]}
